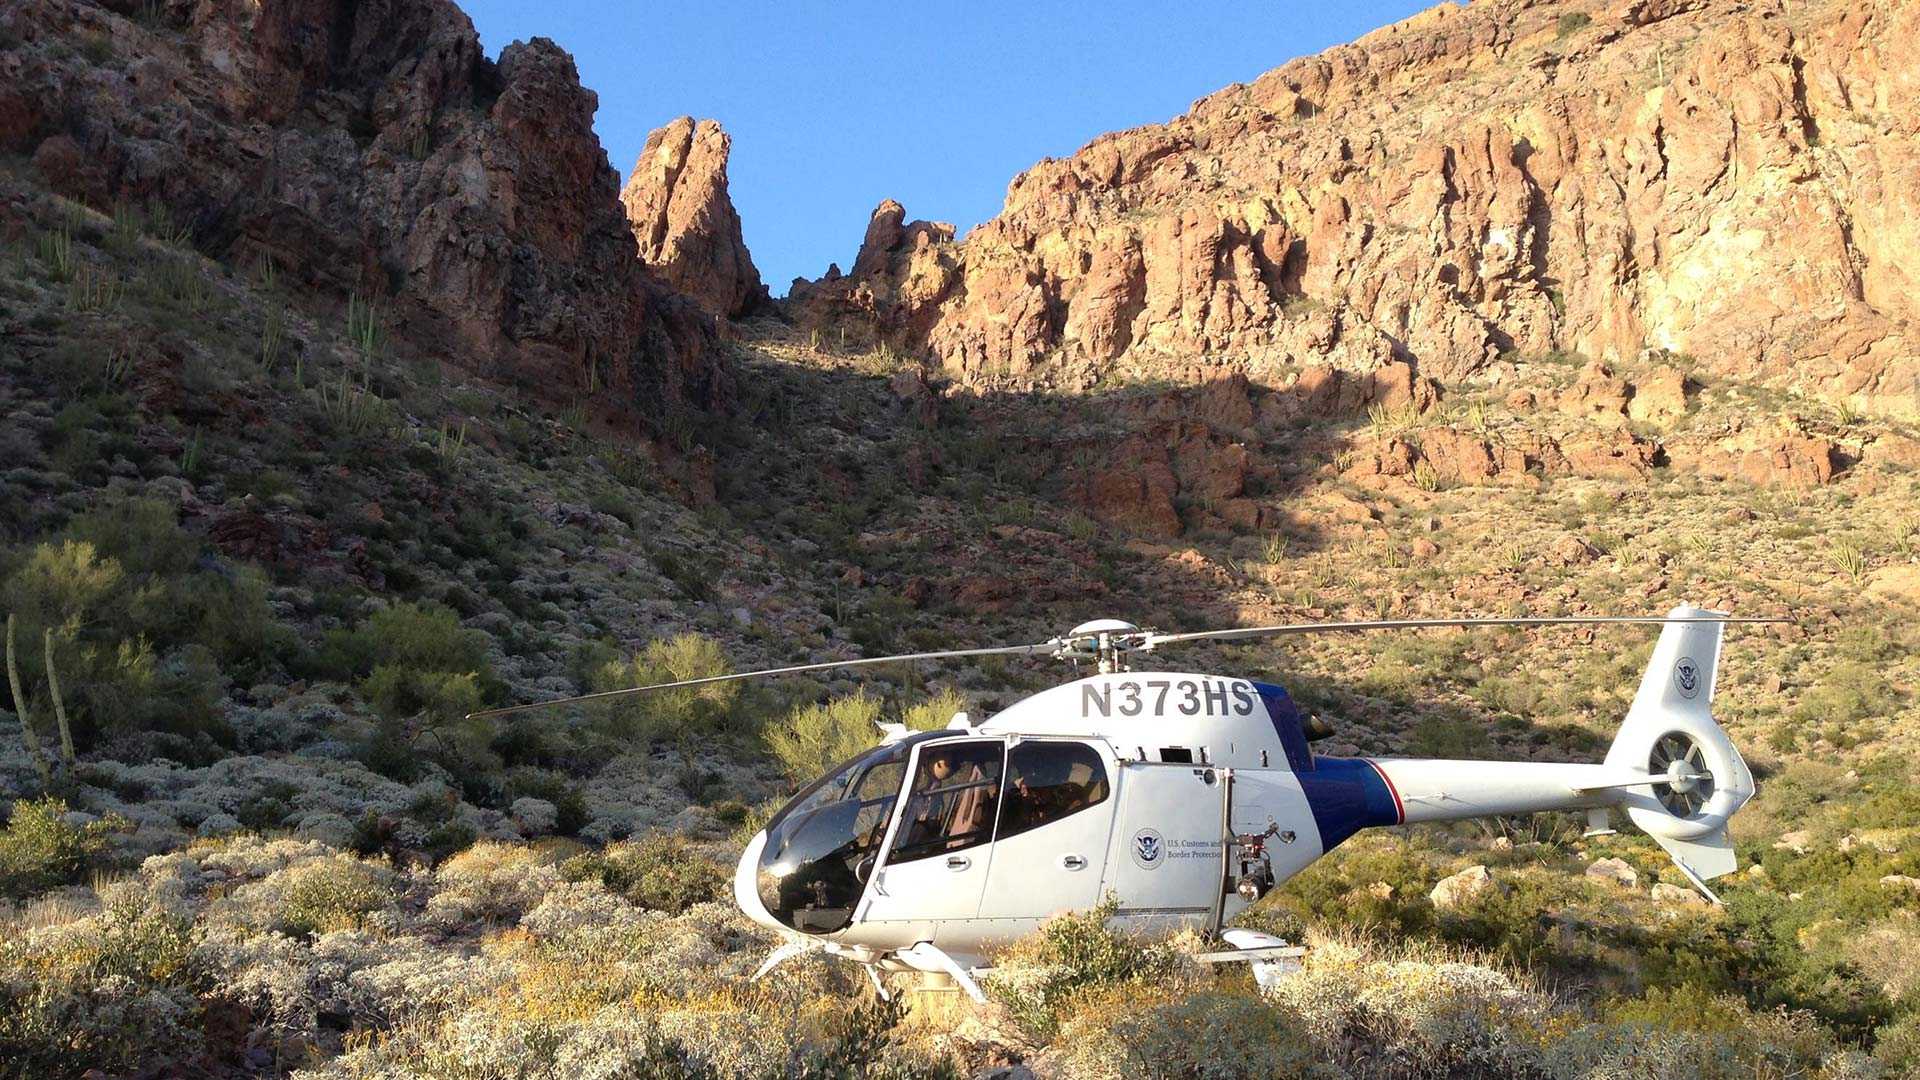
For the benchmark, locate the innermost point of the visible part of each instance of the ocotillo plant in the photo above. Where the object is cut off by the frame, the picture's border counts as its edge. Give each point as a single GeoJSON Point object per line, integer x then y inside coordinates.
{"type": "Point", "coordinates": [20, 710]}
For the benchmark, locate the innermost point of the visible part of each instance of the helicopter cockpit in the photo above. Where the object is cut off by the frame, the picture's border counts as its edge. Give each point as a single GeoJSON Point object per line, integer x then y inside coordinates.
{"type": "Point", "coordinates": [825, 845]}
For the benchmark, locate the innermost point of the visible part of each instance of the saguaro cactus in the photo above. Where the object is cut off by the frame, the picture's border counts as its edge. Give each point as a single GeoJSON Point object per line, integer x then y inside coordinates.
{"type": "Point", "coordinates": [59, 706]}
{"type": "Point", "coordinates": [20, 710]}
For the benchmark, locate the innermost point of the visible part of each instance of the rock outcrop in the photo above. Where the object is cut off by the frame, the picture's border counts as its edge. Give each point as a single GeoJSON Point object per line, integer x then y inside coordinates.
{"type": "Point", "coordinates": [683, 218]}
{"type": "Point", "coordinates": [372, 149]}
{"type": "Point", "coordinates": [1737, 181]}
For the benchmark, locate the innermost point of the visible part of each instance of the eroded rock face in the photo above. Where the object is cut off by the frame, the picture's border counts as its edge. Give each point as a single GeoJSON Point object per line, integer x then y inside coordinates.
{"type": "Point", "coordinates": [369, 148]}
{"type": "Point", "coordinates": [1737, 182]}
{"type": "Point", "coordinates": [683, 218]}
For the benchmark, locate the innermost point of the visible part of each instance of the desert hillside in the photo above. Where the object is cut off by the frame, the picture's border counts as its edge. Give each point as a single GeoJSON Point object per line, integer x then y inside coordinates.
{"type": "Point", "coordinates": [344, 391]}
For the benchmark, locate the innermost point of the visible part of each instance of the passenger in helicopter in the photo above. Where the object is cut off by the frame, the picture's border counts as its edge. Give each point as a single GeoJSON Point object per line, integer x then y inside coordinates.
{"type": "Point", "coordinates": [1048, 781]}
{"type": "Point", "coordinates": [955, 799]}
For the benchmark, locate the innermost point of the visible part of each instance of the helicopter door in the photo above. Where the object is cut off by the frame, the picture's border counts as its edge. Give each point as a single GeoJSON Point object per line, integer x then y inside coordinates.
{"type": "Point", "coordinates": [1056, 816]}
{"type": "Point", "coordinates": [1164, 863]}
{"type": "Point", "coordinates": [936, 865]}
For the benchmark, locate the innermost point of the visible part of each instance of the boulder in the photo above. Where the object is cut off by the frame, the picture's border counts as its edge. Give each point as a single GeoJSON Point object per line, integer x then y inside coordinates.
{"type": "Point", "coordinates": [1677, 895]}
{"type": "Point", "coordinates": [1463, 887]}
{"type": "Point", "coordinates": [1614, 870]}
{"type": "Point", "coordinates": [1597, 396]}
{"type": "Point", "coordinates": [1659, 397]}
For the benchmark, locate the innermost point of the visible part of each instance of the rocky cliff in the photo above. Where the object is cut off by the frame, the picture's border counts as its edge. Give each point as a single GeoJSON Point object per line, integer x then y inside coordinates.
{"type": "Point", "coordinates": [366, 148]}
{"type": "Point", "coordinates": [1734, 181]}
{"type": "Point", "coordinates": [683, 218]}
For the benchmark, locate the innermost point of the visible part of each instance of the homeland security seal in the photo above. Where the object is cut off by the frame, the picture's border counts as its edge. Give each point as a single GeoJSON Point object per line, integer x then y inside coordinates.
{"type": "Point", "coordinates": [1149, 849]}
{"type": "Point", "coordinates": [1686, 676]}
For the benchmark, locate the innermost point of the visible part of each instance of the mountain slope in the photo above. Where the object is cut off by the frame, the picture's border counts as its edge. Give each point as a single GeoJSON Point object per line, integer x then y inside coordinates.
{"type": "Point", "coordinates": [1730, 180]}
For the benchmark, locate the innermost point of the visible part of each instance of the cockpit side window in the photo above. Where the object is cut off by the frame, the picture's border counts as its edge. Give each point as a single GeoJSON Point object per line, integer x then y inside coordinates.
{"type": "Point", "coordinates": [955, 795]}
{"type": "Point", "coordinates": [1047, 781]}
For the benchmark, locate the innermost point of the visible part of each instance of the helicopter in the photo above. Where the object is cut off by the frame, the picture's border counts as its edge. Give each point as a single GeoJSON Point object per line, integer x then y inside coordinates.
{"type": "Point", "coordinates": [1184, 797]}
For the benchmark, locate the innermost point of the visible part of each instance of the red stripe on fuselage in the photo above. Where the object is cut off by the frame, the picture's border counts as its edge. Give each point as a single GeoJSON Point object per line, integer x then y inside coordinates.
{"type": "Point", "coordinates": [1399, 807]}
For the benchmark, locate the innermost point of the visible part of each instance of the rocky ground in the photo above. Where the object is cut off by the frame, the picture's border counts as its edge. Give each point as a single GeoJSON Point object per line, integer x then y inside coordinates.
{"type": "Point", "coordinates": [279, 513]}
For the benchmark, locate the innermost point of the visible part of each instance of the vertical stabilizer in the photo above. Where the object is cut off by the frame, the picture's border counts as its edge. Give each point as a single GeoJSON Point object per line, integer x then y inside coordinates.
{"type": "Point", "coordinates": [1670, 732]}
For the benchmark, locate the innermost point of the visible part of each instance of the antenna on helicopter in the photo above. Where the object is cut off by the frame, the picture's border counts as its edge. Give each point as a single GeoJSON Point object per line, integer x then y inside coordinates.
{"type": "Point", "coordinates": [1108, 641]}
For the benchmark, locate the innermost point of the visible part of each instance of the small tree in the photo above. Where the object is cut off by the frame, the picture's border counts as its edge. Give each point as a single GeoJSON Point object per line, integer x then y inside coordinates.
{"type": "Point", "coordinates": [935, 712]}
{"type": "Point", "coordinates": [685, 715]}
{"type": "Point", "coordinates": [813, 738]}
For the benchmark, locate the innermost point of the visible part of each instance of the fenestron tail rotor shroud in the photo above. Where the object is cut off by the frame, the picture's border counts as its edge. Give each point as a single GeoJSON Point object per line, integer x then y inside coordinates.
{"type": "Point", "coordinates": [1107, 640]}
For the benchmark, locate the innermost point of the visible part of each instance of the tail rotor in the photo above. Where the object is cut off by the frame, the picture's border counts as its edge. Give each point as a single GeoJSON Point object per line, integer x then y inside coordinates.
{"type": "Point", "coordinates": [1670, 732]}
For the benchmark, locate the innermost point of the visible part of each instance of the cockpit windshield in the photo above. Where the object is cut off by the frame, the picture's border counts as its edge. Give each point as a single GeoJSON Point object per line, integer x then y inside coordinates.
{"type": "Point", "coordinates": [811, 871]}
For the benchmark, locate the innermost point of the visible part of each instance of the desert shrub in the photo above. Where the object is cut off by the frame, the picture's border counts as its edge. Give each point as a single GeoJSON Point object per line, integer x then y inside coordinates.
{"type": "Point", "coordinates": [419, 666]}
{"type": "Point", "coordinates": [229, 616]}
{"type": "Point", "coordinates": [41, 850]}
{"type": "Point", "coordinates": [662, 872]}
{"type": "Point", "coordinates": [107, 992]}
{"type": "Point", "coordinates": [1040, 978]}
{"type": "Point", "coordinates": [330, 894]}
{"type": "Point", "coordinates": [1211, 1035]}
{"type": "Point", "coordinates": [84, 600]}
{"type": "Point", "coordinates": [1848, 694]}
{"type": "Point", "coordinates": [1676, 1036]}
{"type": "Point", "coordinates": [1898, 1045]}
{"type": "Point", "coordinates": [492, 882]}
{"type": "Point", "coordinates": [143, 535]}
{"type": "Point", "coordinates": [568, 799]}
{"type": "Point", "coordinates": [140, 635]}
{"type": "Point", "coordinates": [815, 737]}
{"type": "Point", "coordinates": [1572, 23]}
{"type": "Point", "coordinates": [418, 637]}
{"type": "Point", "coordinates": [1377, 885]}
{"type": "Point", "coordinates": [1415, 1013]}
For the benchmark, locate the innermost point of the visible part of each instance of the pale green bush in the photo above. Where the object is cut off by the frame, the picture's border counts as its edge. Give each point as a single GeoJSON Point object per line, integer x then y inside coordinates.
{"type": "Point", "coordinates": [1208, 1036]}
{"type": "Point", "coordinates": [814, 738]}
{"type": "Point", "coordinates": [662, 872]}
{"type": "Point", "coordinates": [105, 991]}
{"type": "Point", "coordinates": [332, 894]}
{"type": "Point", "coordinates": [685, 716]}
{"type": "Point", "coordinates": [1040, 978]}
{"type": "Point", "coordinates": [1381, 1013]}
{"type": "Point", "coordinates": [40, 849]}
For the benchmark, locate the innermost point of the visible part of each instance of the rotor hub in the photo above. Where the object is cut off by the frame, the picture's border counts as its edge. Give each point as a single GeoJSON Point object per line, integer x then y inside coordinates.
{"type": "Point", "coordinates": [1103, 641]}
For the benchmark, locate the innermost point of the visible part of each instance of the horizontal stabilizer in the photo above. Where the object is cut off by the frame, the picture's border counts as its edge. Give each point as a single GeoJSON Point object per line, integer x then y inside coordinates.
{"type": "Point", "coordinates": [1706, 857]}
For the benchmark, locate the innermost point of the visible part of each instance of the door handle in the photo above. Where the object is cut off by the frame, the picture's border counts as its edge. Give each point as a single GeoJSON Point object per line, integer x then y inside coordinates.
{"type": "Point", "coordinates": [958, 862]}
{"type": "Point", "coordinates": [1073, 862]}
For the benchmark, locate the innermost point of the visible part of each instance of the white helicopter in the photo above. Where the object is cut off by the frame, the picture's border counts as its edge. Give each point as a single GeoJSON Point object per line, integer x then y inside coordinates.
{"type": "Point", "coordinates": [1184, 796]}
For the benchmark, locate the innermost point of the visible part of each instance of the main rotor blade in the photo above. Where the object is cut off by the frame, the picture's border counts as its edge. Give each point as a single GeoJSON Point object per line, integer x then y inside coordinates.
{"type": "Point", "coordinates": [1150, 640]}
{"type": "Point", "coordinates": [1005, 650]}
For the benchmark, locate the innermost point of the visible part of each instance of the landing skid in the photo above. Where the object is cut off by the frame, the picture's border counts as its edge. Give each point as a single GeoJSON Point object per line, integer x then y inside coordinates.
{"type": "Point", "coordinates": [1271, 958]}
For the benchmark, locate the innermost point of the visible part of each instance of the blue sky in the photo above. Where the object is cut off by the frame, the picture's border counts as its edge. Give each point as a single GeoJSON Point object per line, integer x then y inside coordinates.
{"type": "Point", "coordinates": [834, 107]}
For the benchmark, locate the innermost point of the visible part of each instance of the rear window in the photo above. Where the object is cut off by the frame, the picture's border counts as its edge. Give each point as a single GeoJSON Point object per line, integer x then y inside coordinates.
{"type": "Point", "coordinates": [1047, 781]}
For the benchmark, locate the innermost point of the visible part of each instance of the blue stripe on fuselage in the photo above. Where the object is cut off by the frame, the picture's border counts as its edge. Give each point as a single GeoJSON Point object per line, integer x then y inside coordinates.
{"type": "Point", "coordinates": [1347, 795]}
{"type": "Point", "coordinates": [1286, 725]}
